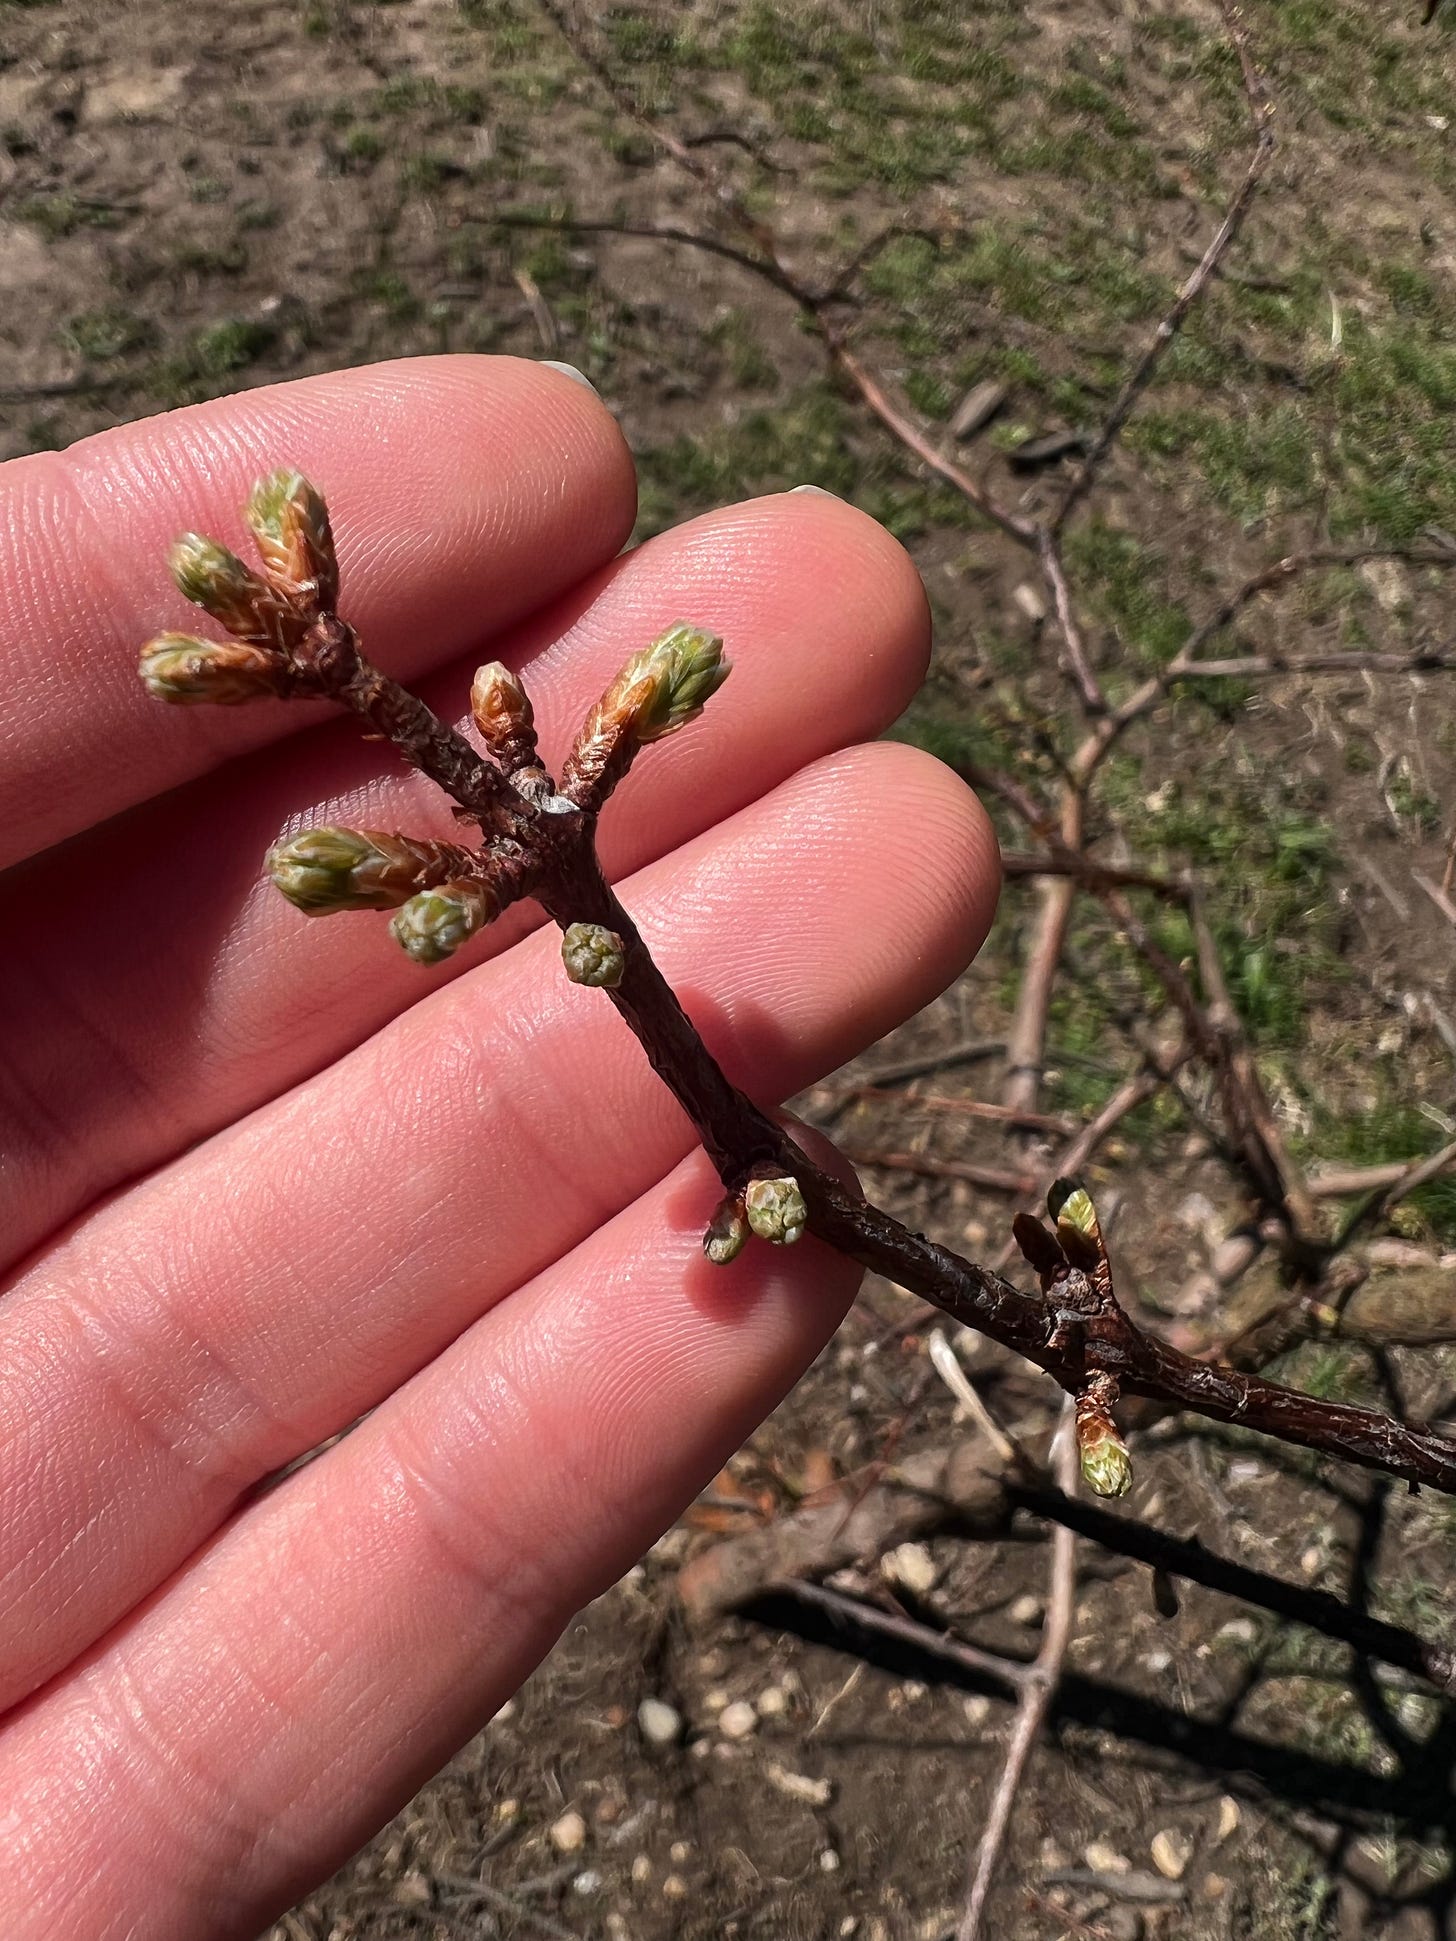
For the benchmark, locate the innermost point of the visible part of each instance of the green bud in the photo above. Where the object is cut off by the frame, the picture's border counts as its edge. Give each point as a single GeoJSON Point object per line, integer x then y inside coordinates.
{"type": "Point", "coordinates": [593, 955]}
{"type": "Point", "coordinates": [776, 1210]}
{"type": "Point", "coordinates": [1069, 1200]}
{"type": "Point", "coordinates": [1106, 1465]}
{"type": "Point", "coordinates": [433, 925]}
{"type": "Point", "coordinates": [678, 675]}
{"type": "Point", "coordinates": [183, 670]}
{"type": "Point", "coordinates": [217, 580]}
{"type": "Point", "coordinates": [290, 523]}
{"type": "Point", "coordinates": [727, 1232]}
{"type": "Point", "coordinates": [324, 870]}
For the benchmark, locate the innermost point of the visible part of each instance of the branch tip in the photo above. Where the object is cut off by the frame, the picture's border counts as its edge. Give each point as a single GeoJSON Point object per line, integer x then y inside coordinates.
{"type": "Point", "coordinates": [184, 670]}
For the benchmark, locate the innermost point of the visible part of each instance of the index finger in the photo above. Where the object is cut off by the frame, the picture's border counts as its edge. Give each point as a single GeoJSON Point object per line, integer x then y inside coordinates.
{"type": "Point", "coordinates": [470, 489]}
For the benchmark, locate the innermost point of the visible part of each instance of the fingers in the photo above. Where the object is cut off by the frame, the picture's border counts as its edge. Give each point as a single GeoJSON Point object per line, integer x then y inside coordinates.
{"type": "Point", "coordinates": [260, 1293]}
{"type": "Point", "coordinates": [144, 1012]}
{"type": "Point", "coordinates": [466, 491]}
{"type": "Point", "coordinates": [275, 1705]}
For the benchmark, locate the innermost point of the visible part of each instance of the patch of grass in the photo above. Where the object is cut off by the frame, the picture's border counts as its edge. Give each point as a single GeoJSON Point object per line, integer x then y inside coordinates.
{"type": "Point", "coordinates": [749, 364]}
{"type": "Point", "coordinates": [60, 213]}
{"type": "Point", "coordinates": [198, 368]}
{"type": "Point", "coordinates": [108, 332]}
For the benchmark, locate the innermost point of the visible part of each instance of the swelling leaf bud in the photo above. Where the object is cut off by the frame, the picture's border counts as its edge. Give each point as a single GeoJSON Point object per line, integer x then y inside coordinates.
{"type": "Point", "coordinates": [672, 680]}
{"type": "Point", "coordinates": [504, 716]}
{"type": "Point", "coordinates": [217, 581]}
{"type": "Point", "coordinates": [727, 1232]}
{"type": "Point", "coordinates": [181, 669]}
{"type": "Point", "coordinates": [433, 925]}
{"type": "Point", "coordinates": [290, 523]}
{"type": "Point", "coordinates": [593, 955]}
{"type": "Point", "coordinates": [324, 870]}
{"type": "Point", "coordinates": [1106, 1465]}
{"type": "Point", "coordinates": [776, 1210]}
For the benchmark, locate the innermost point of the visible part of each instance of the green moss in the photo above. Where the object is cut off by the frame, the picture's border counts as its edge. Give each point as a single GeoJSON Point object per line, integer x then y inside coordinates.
{"type": "Point", "coordinates": [108, 332]}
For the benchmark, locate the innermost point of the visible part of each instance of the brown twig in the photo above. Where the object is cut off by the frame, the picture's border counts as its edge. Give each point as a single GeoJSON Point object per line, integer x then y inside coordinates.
{"type": "Point", "coordinates": [1038, 1687]}
{"type": "Point", "coordinates": [1261, 112]}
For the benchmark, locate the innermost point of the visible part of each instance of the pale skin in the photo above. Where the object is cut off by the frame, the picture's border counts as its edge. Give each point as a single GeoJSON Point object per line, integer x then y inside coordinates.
{"type": "Point", "coordinates": [259, 1175]}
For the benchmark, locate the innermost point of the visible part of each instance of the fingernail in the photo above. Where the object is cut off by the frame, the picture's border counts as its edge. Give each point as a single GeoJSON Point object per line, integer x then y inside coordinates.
{"type": "Point", "coordinates": [570, 370]}
{"type": "Point", "coordinates": [817, 490]}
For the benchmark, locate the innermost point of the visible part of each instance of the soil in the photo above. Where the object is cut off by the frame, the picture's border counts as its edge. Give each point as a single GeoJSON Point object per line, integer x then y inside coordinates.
{"type": "Point", "coordinates": [192, 203]}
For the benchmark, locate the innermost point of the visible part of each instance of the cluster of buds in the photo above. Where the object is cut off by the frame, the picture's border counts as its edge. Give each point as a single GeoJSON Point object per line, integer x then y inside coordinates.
{"type": "Point", "coordinates": [770, 1206]}
{"type": "Point", "coordinates": [434, 887]}
{"type": "Point", "coordinates": [267, 613]}
{"type": "Point", "coordinates": [284, 639]}
{"type": "Point", "coordinates": [660, 690]}
{"type": "Point", "coordinates": [1072, 1265]}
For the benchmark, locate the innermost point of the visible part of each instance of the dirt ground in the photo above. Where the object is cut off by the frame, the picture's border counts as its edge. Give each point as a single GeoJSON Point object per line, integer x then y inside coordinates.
{"type": "Point", "coordinates": [196, 201]}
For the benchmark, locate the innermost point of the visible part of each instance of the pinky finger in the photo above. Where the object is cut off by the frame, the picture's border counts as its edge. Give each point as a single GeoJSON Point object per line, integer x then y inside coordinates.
{"type": "Point", "coordinates": [230, 1745]}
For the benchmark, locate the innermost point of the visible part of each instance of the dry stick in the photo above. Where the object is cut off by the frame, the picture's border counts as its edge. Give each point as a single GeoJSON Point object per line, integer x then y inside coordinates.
{"type": "Point", "coordinates": [1261, 110]}
{"type": "Point", "coordinates": [1383, 1202]}
{"type": "Point", "coordinates": [1038, 1687]}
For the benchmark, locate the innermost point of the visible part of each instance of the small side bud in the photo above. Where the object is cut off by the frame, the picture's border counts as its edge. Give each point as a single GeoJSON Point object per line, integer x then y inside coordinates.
{"type": "Point", "coordinates": [593, 955]}
{"type": "Point", "coordinates": [183, 670]}
{"type": "Point", "coordinates": [776, 1210]}
{"type": "Point", "coordinates": [1106, 1465]}
{"type": "Point", "coordinates": [726, 1234]}
{"type": "Point", "coordinates": [322, 871]}
{"type": "Point", "coordinates": [433, 925]}
{"type": "Point", "coordinates": [290, 522]}
{"type": "Point", "coordinates": [504, 716]}
{"type": "Point", "coordinates": [218, 582]}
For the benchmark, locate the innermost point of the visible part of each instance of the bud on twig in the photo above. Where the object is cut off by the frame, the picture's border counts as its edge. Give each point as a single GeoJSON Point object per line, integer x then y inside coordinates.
{"type": "Point", "coordinates": [324, 870]}
{"type": "Point", "coordinates": [727, 1232]}
{"type": "Point", "coordinates": [1106, 1465]}
{"type": "Point", "coordinates": [776, 1210]}
{"type": "Point", "coordinates": [218, 582]}
{"type": "Point", "coordinates": [290, 523]}
{"type": "Point", "coordinates": [184, 670]}
{"type": "Point", "coordinates": [593, 955]}
{"type": "Point", "coordinates": [661, 689]}
{"type": "Point", "coordinates": [433, 925]}
{"type": "Point", "coordinates": [504, 716]}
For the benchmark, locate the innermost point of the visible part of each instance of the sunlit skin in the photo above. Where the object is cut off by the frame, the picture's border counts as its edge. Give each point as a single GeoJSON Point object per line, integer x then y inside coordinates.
{"type": "Point", "coordinates": [262, 1174]}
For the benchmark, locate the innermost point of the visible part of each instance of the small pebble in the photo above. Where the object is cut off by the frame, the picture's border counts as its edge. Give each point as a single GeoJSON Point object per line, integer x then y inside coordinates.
{"type": "Point", "coordinates": [413, 1890]}
{"type": "Point", "coordinates": [1228, 1820]}
{"type": "Point", "coordinates": [715, 1700]}
{"type": "Point", "coordinates": [507, 1809]}
{"type": "Point", "coordinates": [1171, 1853]}
{"type": "Point", "coordinates": [772, 1703]}
{"type": "Point", "coordinates": [568, 1835]}
{"type": "Point", "coordinates": [829, 1861]}
{"type": "Point", "coordinates": [849, 1925]}
{"type": "Point", "coordinates": [977, 1709]}
{"type": "Point", "coordinates": [679, 1852]}
{"type": "Point", "coordinates": [813, 1792]}
{"type": "Point", "coordinates": [1214, 1887]}
{"type": "Point", "coordinates": [1026, 1609]}
{"type": "Point", "coordinates": [660, 1723]}
{"type": "Point", "coordinates": [911, 1566]}
{"type": "Point", "coordinates": [674, 1888]}
{"type": "Point", "coordinates": [641, 1869]}
{"type": "Point", "coordinates": [1158, 1660]}
{"type": "Point", "coordinates": [588, 1881]}
{"type": "Point", "coordinates": [1105, 1859]}
{"type": "Point", "coordinates": [738, 1720]}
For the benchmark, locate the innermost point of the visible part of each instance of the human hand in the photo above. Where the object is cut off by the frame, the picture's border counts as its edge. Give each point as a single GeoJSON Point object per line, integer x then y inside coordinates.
{"type": "Point", "coordinates": [260, 1176]}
